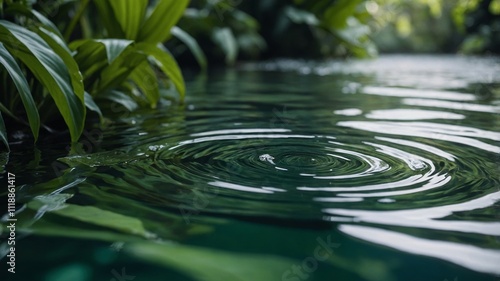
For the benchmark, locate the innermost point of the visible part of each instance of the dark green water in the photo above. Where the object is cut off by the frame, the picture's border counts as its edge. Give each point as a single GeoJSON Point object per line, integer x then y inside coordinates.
{"type": "Point", "coordinates": [286, 171]}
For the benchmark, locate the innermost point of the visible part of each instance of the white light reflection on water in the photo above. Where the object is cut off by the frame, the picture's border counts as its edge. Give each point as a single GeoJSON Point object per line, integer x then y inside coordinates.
{"type": "Point", "coordinates": [472, 257]}
{"type": "Point", "coordinates": [429, 130]}
{"type": "Point", "coordinates": [426, 217]}
{"type": "Point", "coordinates": [412, 114]}
{"type": "Point", "coordinates": [418, 93]}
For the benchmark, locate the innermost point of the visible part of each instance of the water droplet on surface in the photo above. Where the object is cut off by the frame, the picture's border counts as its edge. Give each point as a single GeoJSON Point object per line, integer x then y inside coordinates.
{"type": "Point", "coordinates": [267, 157]}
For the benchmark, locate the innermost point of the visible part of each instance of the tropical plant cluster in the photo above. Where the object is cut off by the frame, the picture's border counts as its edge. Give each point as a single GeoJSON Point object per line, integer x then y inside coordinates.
{"type": "Point", "coordinates": [51, 70]}
{"type": "Point", "coordinates": [59, 61]}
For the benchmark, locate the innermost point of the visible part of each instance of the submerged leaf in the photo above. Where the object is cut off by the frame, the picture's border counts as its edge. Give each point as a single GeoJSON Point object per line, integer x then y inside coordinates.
{"type": "Point", "coordinates": [104, 218]}
{"type": "Point", "coordinates": [205, 264]}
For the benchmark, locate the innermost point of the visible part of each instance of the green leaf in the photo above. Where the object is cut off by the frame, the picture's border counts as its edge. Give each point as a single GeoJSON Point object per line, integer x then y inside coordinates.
{"type": "Point", "coordinates": [204, 264]}
{"type": "Point", "coordinates": [114, 47]}
{"type": "Point", "coordinates": [191, 43]}
{"type": "Point", "coordinates": [22, 86]}
{"type": "Point", "coordinates": [47, 23]}
{"type": "Point", "coordinates": [93, 56]}
{"type": "Point", "coordinates": [130, 15]}
{"type": "Point", "coordinates": [61, 49]}
{"type": "Point", "coordinates": [123, 99]}
{"type": "Point", "coordinates": [145, 79]}
{"type": "Point", "coordinates": [90, 104]}
{"type": "Point", "coordinates": [121, 68]}
{"type": "Point", "coordinates": [90, 55]}
{"type": "Point", "coordinates": [107, 15]}
{"type": "Point", "coordinates": [50, 70]}
{"type": "Point", "coordinates": [96, 216]}
{"type": "Point", "coordinates": [224, 38]}
{"type": "Point", "coordinates": [336, 16]}
{"type": "Point", "coordinates": [18, 8]}
{"type": "Point", "coordinates": [57, 204]}
{"type": "Point", "coordinates": [164, 60]}
{"type": "Point", "coordinates": [299, 16]}
{"type": "Point", "coordinates": [3, 132]}
{"type": "Point", "coordinates": [165, 15]}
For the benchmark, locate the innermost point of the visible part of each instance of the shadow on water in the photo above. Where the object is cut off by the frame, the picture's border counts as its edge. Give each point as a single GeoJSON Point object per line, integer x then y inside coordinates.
{"type": "Point", "coordinates": [285, 170]}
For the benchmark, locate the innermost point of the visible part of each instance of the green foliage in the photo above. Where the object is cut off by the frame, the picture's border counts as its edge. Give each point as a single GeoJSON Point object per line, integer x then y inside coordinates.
{"type": "Point", "coordinates": [414, 26]}
{"type": "Point", "coordinates": [467, 26]}
{"type": "Point", "coordinates": [141, 228]}
{"type": "Point", "coordinates": [314, 28]}
{"type": "Point", "coordinates": [480, 21]}
{"type": "Point", "coordinates": [223, 31]}
{"type": "Point", "coordinates": [46, 64]}
{"type": "Point", "coordinates": [47, 71]}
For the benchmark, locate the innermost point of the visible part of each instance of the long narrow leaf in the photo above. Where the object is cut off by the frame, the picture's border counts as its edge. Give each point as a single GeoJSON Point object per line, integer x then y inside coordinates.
{"type": "Point", "coordinates": [91, 57]}
{"type": "Point", "coordinates": [145, 78]}
{"type": "Point", "coordinates": [121, 68]}
{"type": "Point", "coordinates": [90, 104]}
{"type": "Point", "coordinates": [224, 38]}
{"type": "Point", "coordinates": [47, 23]}
{"type": "Point", "coordinates": [123, 99]}
{"type": "Point", "coordinates": [191, 43]}
{"type": "Point", "coordinates": [19, 8]}
{"type": "Point", "coordinates": [165, 15]}
{"type": "Point", "coordinates": [114, 47]}
{"type": "Point", "coordinates": [50, 70]}
{"type": "Point", "coordinates": [61, 49]}
{"type": "Point", "coordinates": [164, 60]}
{"type": "Point", "coordinates": [130, 15]}
{"type": "Point", "coordinates": [107, 15]}
{"type": "Point", "coordinates": [95, 55]}
{"type": "Point", "coordinates": [3, 132]}
{"type": "Point", "coordinates": [22, 86]}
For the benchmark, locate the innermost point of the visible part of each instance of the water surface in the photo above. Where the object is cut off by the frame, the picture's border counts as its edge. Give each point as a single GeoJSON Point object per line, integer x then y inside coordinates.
{"type": "Point", "coordinates": [285, 170]}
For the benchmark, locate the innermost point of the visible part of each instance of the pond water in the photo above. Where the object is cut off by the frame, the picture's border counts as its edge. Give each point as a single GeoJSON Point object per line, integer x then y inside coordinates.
{"type": "Point", "coordinates": [284, 170]}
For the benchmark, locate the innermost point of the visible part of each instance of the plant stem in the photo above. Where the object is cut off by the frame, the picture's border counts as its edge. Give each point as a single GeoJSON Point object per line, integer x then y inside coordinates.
{"type": "Point", "coordinates": [75, 20]}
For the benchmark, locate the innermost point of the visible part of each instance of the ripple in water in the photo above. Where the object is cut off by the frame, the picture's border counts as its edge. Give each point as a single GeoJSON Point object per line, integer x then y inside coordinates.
{"type": "Point", "coordinates": [411, 168]}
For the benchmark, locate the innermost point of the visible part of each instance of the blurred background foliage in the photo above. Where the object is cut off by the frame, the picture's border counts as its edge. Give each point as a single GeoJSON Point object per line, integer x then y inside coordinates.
{"type": "Point", "coordinates": [231, 30]}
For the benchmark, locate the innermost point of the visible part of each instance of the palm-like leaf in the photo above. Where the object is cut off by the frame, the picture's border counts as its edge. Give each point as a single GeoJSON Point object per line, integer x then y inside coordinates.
{"type": "Point", "coordinates": [22, 86]}
{"type": "Point", "coordinates": [85, 70]}
{"type": "Point", "coordinates": [191, 43]}
{"type": "Point", "coordinates": [164, 60]}
{"type": "Point", "coordinates": [130, 15]}
{"type": "Point", "coordinates": [145, 78]}
{"type": "Point", "coordinates": [50, 70]}
{"type": "Point", "coordinates": [165, 15]}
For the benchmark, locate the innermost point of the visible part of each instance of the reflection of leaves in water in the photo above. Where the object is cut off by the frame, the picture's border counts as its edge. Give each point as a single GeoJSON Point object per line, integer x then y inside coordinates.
{"type": "Point", "coordinates": [99, 159]}
{"type": "Point", "coordinates": [60, 218]}
{"type": "Point", "coordinates": [92, 208]}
